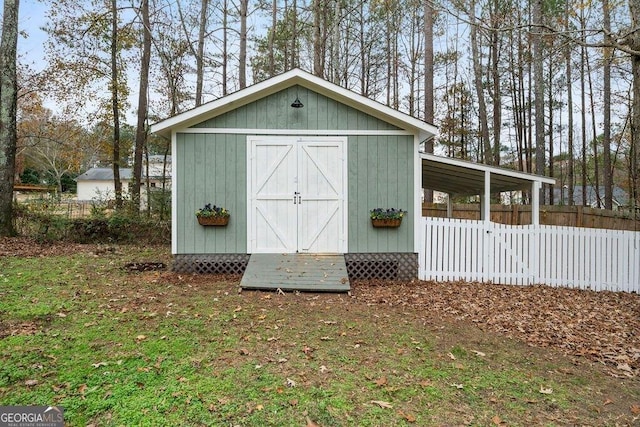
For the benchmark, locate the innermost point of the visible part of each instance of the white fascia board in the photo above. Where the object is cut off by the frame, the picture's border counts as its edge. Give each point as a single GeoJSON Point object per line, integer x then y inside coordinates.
{"type": "Point", "coordinates": [359, 102]}
{"type": "Point", "coordinates": [491, 169]}
{"type": "Point", "coordinates": [285, 80]}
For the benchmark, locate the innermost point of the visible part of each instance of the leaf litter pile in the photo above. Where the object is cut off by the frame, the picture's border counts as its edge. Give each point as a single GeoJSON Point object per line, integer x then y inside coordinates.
{"type": "Point", "coordinates": [601, 326]}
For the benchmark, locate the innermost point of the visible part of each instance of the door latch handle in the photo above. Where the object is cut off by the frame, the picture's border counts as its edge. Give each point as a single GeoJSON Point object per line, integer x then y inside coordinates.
{"type": "Point", "coordinates": [299, 200]}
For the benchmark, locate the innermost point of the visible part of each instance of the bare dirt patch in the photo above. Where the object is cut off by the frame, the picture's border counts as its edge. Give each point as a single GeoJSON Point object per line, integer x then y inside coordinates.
{"type": "Point", "coordinates": [21, 328]}
{"type": "Point", "coordinates": [25, 247]}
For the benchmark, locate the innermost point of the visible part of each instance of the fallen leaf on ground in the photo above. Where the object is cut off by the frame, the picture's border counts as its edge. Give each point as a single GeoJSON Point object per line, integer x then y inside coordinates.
{"type": "Point", "coordinates": [382, 404]}
{"type": "Point", "coordinates": [408, 417]}
{"type": "Point", "coordinates": [545, 390]}
{"type": "Point", "coordinates": [31, 383]}
{"type": "Point", "coordinates": [478, 353]}
{"type": "Point", "coordinates": [381, 381]}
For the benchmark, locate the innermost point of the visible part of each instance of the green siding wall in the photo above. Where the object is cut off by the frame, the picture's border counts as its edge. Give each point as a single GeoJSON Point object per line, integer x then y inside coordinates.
{"type": "Point", "coordinates": [380, 176]}
{"type": "Point", "coordinates": [211, 169]}
{"type": "Point", "coordinates": [275, 112]}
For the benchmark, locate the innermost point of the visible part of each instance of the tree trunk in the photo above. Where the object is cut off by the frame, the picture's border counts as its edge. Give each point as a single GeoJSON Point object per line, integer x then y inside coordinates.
{"type": "Point", "coordinates": [364, 72]}
{"type": "Point", "coordinates": [429, 113]}
{"type": "Point", "coordinates": [294, 37]}
{"type": "Point", "coordinates": [477, 79]}
{"type": "Point", "coordinates": [8, 110]}
{"type": "Point", "coordinates": [204, 5]}
{"type": "Point", "coordinates": [583, 111]}
{"type": "Point", "coordinates": [594, 145]}
{"type": "Point", "coordinates": [225, 47]}
{"type": "Point", "coordinates": [497, 99]}
{"type": "Point", "coordinates": [318, 51]}
{"type": "Point", "coordinates": [607, 171]}
{"type": "Point", "coordinates": [141, 128]}
{"type": "Point", "coordinates": [570, 173]}
{"type": "Point", "coordinates": [496, 89]}
{"type": "Point", "coordinates": [242, 59]}
{"type": "Point", "coordinates": [634, 43]}
{"type": "Point", "coordinates": [272, 36]}
{"type": "Point", "coordinates": [115, 103]}
{"type": "Point", "coordinates": [538, 88]}
{"type": "Point", "coordinates": [550, 127]}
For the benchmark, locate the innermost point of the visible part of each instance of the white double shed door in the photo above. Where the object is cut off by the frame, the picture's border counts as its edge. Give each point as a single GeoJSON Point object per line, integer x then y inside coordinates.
{"type": "Point", "coordinates": [297, 194]}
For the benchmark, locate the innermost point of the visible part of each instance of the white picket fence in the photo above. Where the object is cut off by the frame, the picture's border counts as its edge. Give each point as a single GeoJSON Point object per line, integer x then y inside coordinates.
{"type": "Point", "coordinates": [584, 258]}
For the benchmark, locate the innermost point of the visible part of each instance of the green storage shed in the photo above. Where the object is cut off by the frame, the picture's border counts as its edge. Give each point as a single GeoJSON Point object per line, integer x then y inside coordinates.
{"type": "Point", "coordinates": [299, 162]}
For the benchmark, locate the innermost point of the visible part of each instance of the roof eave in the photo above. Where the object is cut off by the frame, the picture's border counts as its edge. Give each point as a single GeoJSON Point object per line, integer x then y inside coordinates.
{"type": "Point", "coordinates": [491, 169]}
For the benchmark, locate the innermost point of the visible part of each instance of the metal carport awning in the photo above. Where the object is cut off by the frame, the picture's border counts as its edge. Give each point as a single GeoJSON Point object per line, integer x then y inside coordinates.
{"type": "Point", "coordinates": [460, 177]}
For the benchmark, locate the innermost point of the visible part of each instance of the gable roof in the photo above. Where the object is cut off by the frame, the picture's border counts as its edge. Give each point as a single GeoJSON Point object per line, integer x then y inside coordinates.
{"type": "Point", "coordinates": [283, 81]}
{"type": "Point", "coordinates": [103, 174]}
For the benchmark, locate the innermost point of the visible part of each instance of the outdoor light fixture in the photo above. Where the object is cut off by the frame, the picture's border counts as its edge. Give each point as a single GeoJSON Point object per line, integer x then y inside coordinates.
{"type": "Point", "coordinates": [297, 103]}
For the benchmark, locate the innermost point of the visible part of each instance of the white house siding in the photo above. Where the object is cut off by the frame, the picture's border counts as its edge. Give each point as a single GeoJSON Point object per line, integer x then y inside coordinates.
{"type": "Point", "coordinates": [98, 190]}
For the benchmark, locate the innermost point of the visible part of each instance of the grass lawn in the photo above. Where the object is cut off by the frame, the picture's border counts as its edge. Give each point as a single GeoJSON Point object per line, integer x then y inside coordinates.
{"type": "Point", "coordinates": [114, 347]}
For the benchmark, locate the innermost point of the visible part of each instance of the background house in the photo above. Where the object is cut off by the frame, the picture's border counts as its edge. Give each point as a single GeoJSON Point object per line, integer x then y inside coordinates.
{"type": "Point", "coordinates": [620, 197]}
{"type": "Point", "coordinates": [97, 183]}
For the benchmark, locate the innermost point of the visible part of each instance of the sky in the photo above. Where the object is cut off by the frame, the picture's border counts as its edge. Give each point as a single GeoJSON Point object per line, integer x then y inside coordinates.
{"type": "Point", "coordinates": [31, 41]}
{"type": "Point", "coordinates": [31, 18]}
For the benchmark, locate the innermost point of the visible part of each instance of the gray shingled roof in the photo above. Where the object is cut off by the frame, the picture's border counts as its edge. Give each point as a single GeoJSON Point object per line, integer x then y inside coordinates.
{"type": "Point", "coordinates": [103, 174]}
{"type": "Point", "coordinates": [620, 196]}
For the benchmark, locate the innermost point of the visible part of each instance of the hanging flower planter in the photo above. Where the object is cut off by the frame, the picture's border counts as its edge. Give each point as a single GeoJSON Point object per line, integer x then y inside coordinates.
{"type": "Point", "coordinates": [219, 221]}
{"type": "Point", "coordinates": [392, 223]}
{"type": "Point", "coordinates": [391, 217]}
{"type": "Point", "coordinates": [213, 216]}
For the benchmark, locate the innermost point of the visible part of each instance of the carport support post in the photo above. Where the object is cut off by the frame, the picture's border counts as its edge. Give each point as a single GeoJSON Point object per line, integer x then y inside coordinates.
{"type": "Point", "coordinates": [534, 243]}
{"type": "Point", "coordinates": [485, 199]}
{"type": "Point", "coordinates": [535, 203]}
{"type": "Point", "coordinates": [449, 205]}
{"type": "Point", "coordinates": [485, 215]}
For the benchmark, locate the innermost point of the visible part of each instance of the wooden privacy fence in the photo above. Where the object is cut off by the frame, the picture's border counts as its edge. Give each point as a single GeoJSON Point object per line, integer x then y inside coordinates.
{"type": "Point", "coordinates": [572, 216]}
{"type": "Point", "coordinates": [584, 258]}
